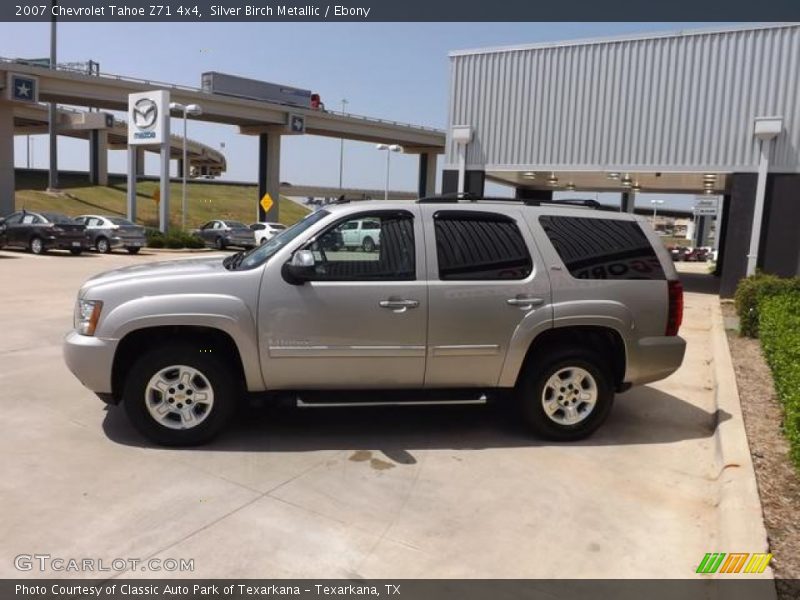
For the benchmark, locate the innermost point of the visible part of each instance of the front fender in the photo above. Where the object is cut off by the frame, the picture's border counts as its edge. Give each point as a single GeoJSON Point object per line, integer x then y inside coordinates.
{"type": "Point", "coordinates": [217, 311]}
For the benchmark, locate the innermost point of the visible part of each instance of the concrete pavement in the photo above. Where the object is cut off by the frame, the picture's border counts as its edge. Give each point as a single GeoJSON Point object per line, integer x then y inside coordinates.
{"type": "Point", "coordinates": [412, 492]}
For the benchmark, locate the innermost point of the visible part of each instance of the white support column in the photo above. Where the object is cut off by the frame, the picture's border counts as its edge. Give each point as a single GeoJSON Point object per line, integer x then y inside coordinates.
{"type": "Point", "coordinates": [765, 129]}
{"type": "Point", "coordinates": [758, 209]}
{"type": "Point", "coordinates": [133, 151]}
{"type": "Point", "coordinates": [6, 158]}
{"type": "Point", "coordinates": [163, 204]}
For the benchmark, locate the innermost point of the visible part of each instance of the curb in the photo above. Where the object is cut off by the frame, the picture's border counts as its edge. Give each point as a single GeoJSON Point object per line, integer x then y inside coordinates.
{"type": "Point", "coordinates": [178, 250]}
{"type": "Point", "coordinates": [741, 518]}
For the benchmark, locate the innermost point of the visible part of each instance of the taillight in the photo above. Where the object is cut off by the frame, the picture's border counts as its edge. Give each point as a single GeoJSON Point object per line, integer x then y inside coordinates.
{"type": "Point", "coordinates": [675, 314]}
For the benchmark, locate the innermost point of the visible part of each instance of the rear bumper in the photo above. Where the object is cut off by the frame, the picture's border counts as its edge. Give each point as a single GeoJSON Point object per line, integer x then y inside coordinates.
{"type": "Point", "coordinates": [654, 358]}
{"type": "Point", "coordinates": [66, 244]}
{"type": "Point", "coordinates": [90, 359]}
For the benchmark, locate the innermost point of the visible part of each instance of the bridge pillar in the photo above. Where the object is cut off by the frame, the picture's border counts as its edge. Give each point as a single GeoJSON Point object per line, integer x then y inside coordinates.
{"type": "Point", "coordinates": [627, 201]}
{"type": "Point", "coordinates": [139, 160]}
{"type": "Point", "coordinates": [523, 193]}
{"type": "Point", "coordinates": [269, 173]}
{"type": "Point", "coordinates": [6, 159]}
{"type": "Point", "coordinates": [427, 174]}
{"type": "Point", "coordinates": [98, 157]}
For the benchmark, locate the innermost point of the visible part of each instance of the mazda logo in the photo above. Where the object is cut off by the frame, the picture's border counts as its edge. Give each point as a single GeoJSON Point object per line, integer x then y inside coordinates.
{"type": "Point", "coordinates": [145, 113]}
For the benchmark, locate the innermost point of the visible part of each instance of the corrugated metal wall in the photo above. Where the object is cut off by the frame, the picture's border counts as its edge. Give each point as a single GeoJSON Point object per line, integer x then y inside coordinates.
{"type": "Point", "coordinates": [685, 102]}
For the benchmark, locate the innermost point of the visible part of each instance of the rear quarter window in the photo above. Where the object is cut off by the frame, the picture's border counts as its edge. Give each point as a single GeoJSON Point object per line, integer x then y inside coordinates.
{"type": "Point", "coordinates": [602, 248]}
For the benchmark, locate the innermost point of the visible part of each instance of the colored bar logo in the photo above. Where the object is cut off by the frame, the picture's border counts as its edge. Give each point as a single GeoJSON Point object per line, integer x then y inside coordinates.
{"type": "Point", "coordinates": [735, 562]}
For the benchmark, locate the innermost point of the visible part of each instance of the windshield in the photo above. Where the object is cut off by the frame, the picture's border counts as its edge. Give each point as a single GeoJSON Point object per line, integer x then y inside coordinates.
{"type": "Point", "coordinates": [235, 225]}
{"type": "Point", "coordinates": [121, 221]}
{"type": "Point", "coordinates": [260, 254]}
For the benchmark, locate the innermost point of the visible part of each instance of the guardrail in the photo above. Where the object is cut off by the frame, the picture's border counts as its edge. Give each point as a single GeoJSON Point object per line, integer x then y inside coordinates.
{"type": "Point", "coordinates": [186, 88]}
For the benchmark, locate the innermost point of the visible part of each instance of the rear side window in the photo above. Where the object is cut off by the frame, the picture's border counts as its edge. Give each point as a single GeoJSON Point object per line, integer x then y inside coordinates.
{"type": "Point", "coordinates": [602, 248]}
{"type": "Point", "coordinates": [475, 246]}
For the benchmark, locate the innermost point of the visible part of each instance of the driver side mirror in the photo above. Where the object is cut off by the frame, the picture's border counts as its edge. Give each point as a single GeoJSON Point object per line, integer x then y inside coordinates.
{"type": "Point", "coordinates": [300, 269]}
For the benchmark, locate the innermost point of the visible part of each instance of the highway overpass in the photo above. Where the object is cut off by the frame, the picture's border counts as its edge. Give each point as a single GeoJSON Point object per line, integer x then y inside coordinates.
{"type": "Point", "coordinates": [266, 120]}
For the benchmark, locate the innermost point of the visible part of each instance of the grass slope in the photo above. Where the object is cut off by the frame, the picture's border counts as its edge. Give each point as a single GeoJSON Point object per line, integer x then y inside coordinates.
{"type": "Point", "coordinates": [205, 201]}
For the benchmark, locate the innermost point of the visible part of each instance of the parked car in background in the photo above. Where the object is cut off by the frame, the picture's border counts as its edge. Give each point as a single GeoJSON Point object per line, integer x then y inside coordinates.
{"type": "Point", "coordinates": [107, 233]}
{"type": "Point", "coordinates": [266, 231]}
{"type": "Point", "coordinates": [699, 254]}
{"type": "Point", "coordinates": [39, 232]}
{"type": "Point", "coordinates": [364, 234]}
{"type": "Point", "coordinates": [221, 234]}
{"type": "Point", "coordinates": [678, 253]}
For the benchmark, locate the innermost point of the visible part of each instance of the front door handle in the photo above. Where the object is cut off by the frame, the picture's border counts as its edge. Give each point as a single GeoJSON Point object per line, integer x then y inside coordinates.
{"type": "Point", "coordinates": [525, 302]}
{"type": "Point", "coordinates": [398, 305]}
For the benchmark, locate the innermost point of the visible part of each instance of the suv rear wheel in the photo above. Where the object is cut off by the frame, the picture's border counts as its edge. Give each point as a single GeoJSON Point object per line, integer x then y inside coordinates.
{"type": "Point", "coordinates": [177, 396]}
{"type": "Point", "coordinates": [566, 396]}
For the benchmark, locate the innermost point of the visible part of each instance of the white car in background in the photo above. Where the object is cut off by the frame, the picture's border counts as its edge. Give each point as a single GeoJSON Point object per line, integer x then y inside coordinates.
{"type": "Point", "coordinates": [266, 231]}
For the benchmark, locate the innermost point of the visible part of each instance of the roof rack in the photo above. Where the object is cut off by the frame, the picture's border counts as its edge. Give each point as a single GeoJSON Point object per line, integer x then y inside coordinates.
{"type": "Point", "coordinates": [468, 196]}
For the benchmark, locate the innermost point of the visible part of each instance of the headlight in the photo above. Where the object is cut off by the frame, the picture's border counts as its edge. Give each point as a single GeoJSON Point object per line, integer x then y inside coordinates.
{"type": "Point", "coordinates": [87, 313]}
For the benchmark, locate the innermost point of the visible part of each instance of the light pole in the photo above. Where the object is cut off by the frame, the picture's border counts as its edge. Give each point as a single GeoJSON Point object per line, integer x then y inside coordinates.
{"type": "Point", "coordinates": [341, 149]}
{"type": "Point", "coordinates": [194, 110]}
{"type": "Point", "coordinates": [655, 204]}
{"type": "Point", "coordinates": [388, 148]}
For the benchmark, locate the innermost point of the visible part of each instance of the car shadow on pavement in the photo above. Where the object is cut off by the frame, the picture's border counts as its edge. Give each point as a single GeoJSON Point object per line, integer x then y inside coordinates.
{"type": "Point", "coordinates": [699, 283]}
{"type": "Point", "coordinates": [643, 416]}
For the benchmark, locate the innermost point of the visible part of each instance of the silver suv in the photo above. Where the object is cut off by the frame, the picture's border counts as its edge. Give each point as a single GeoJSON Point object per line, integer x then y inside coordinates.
{"type": "Point", "coordinates": [554, 307]}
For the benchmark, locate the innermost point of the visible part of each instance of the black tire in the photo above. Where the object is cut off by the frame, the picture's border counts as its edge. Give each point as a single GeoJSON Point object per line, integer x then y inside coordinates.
{"type": "Point", "coordinates": [215, 372]}
{"type": "Point", "coordinates": [102, 245]}
{"type": "Point", "coordinates": [75, 251]}
{"type": "Point", "coordinates": [219, 244]}
{"type": "Point", "coordinates": [36, 245]}
{"type": "Point", "coordinates": [133, 250]}
{"type": "Point", "coordinates": [263, 241]}
{"type": "Point", "coordinates": [368, 245]}
{"type": "Point", "coordinates": [531, 394]}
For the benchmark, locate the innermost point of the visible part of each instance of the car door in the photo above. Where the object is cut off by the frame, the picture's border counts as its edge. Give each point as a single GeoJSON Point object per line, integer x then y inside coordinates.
{"type": "Point", "coordinates": [360, 323]}
{"type": "Point", "coordinates": [207, 231]}
{"type": "Point", "coordinates": [485, 279]}
{"type": "Point", "coordinates": [28, 226]}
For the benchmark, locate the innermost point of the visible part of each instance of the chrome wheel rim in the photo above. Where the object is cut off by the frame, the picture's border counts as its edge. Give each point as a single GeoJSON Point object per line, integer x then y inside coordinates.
{"type": "Point", "coordinates": [36, 246]}
{"type": "Point", "coordinates": [569, 396]}
{"type": "Point", "coordinates": [102, 246]}
{"type": "Point", "coordinates": [179, 397]}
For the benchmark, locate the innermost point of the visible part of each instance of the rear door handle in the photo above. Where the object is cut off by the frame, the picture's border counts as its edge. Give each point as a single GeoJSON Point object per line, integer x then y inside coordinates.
{"type": "Point", "coordinates": [525, 302]}
{"type": "Point", "coordinates": [398, 305]}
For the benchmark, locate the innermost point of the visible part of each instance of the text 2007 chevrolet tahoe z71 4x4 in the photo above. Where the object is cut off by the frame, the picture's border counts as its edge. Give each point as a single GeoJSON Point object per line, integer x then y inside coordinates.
{"type": "Point", "coordinates": [560, 306]}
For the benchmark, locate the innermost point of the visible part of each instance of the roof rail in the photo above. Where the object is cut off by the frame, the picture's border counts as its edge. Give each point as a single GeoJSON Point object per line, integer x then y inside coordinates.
{"type": "Point", "coordinates": [471, 197]}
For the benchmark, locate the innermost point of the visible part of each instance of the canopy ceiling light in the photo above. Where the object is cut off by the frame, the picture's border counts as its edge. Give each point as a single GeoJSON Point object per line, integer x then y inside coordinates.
{"type": "Point", "coordinates": [626, 180]}
{"type": "Point", "coordinates": [552, 180]}
{"type": "Point", "coordinates": [570, 187]}
{"type": "Point", "coordinates": [709, 177]}
{"type": "Point", "coordinates": [636, 187]}
{"type": "Point", "coordinates": [612, 175]}
{"type": "Point", "coordinates": [529, 175]}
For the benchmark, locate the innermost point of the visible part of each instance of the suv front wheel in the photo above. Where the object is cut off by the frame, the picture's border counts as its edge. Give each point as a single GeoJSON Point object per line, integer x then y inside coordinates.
{"type": "Point", "coordinates": [566, 396]}
{"type": "Point", "coordinates": [178, 396]}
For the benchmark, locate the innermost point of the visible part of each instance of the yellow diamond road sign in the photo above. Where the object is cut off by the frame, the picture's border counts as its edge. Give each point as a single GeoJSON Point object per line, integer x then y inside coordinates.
{"type": "Point", "coordinates": [266, 202]}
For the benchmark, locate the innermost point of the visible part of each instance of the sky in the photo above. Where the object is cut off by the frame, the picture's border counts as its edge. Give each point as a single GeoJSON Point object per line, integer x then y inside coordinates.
{"type": "Point", "coordinates": [395, 71]}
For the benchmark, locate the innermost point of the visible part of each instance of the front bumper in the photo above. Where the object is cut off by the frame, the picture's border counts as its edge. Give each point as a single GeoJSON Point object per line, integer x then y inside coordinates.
{"type": "Point", "coordinates": [90, 359]}
{"type": "Point", "coordinates": [654, 358]}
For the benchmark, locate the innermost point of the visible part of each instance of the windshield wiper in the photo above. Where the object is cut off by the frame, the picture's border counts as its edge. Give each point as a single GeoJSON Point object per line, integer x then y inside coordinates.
{"type": "Point", "coordinates": [234, 260]}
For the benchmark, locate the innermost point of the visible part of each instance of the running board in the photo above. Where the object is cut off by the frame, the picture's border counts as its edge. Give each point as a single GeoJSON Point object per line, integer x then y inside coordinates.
{"type": "Point", "coordinates": [483, 399]}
